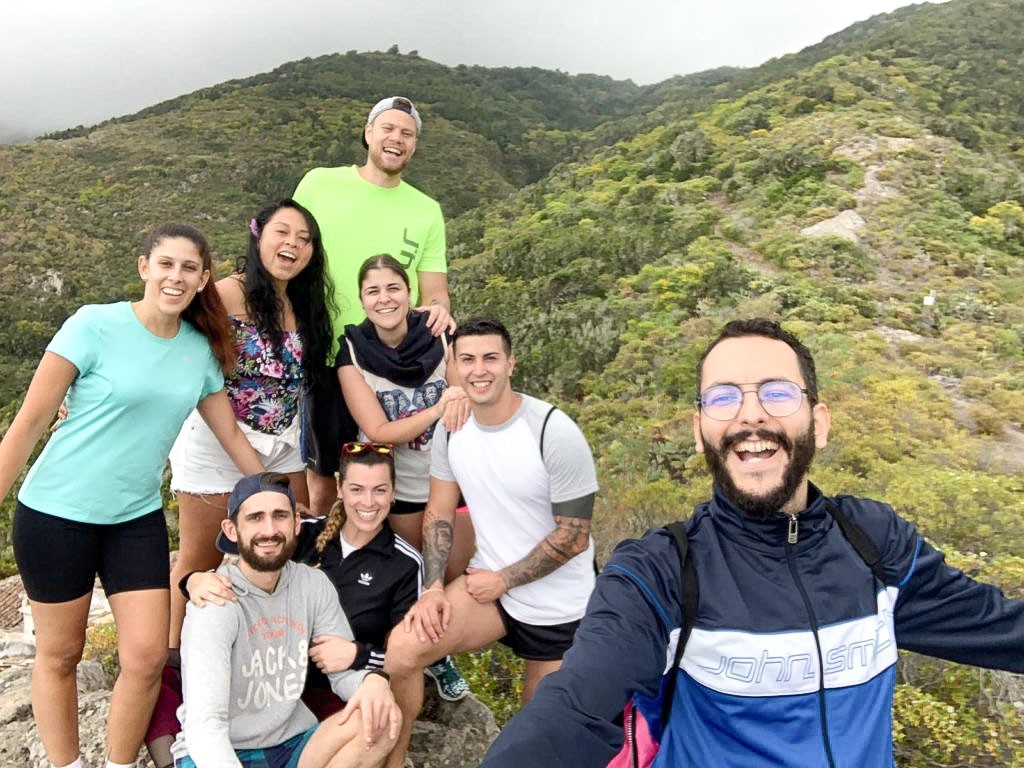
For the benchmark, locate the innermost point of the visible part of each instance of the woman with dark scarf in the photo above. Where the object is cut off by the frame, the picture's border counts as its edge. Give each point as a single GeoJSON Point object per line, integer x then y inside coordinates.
{"type": "Point", "coordinates": [393, 374]}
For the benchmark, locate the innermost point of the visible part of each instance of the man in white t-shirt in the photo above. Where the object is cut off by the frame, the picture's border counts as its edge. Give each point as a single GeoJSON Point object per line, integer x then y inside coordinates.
{"type": "Point", "coordinates": [527, 475]}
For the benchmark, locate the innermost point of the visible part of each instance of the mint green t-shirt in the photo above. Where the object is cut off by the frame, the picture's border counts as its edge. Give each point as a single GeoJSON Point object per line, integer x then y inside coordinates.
{"type": "Point", "coordinates": [358, 220]}
{"type": "Point", "coordinates": [131, 396]}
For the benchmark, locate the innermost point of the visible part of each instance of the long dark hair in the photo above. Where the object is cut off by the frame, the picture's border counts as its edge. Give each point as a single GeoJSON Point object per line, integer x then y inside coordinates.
{"type": "Point", "coordinates": [206, 311]}
{"type": "Point", "coordinates": [311, 292]}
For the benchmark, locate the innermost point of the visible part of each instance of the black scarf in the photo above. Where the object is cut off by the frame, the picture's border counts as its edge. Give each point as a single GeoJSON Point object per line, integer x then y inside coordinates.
{"type": "Point", "coordinates": [410, 363]}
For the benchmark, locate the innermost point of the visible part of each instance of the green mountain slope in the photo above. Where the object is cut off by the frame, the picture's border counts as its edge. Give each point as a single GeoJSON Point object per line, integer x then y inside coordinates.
{"type": "Point", "coordinates": [867, 190]}
{"type": "Point", "coordinates": [74, 208]}
{"type": "Point", "coordinates": [837, 192]}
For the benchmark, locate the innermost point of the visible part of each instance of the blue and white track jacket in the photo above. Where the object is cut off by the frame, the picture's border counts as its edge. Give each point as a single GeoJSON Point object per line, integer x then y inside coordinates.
{"type": "Point", "coordinates": [793, 655]}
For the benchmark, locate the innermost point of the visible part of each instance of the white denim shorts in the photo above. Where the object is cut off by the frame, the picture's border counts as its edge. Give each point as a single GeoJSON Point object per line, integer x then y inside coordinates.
{"type": "Point", "coordinates": [199, 464]}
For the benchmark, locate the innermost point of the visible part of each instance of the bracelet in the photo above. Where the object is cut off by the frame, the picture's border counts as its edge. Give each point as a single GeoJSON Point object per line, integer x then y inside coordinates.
{"type": "Point", "coordinates": [380, 672]}
{"type": "Point", "coordinates": [432, 589]}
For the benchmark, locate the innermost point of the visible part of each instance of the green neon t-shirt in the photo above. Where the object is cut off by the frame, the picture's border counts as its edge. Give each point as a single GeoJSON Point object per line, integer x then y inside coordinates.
{"type": "Point", "coordinates": [358, 220]}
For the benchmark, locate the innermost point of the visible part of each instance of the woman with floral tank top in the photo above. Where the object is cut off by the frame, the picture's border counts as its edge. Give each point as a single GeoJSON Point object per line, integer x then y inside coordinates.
{"type": "Point", "coordinates": [278, 300]}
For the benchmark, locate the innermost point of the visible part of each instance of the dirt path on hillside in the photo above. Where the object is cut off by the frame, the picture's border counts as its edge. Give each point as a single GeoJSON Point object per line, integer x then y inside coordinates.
{"type": "Point", "coordinates": [1000, 453]}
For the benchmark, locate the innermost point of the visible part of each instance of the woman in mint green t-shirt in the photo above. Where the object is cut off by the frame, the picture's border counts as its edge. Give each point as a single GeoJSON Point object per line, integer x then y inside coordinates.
{"type": "Point", "coordinates": [90, 505]}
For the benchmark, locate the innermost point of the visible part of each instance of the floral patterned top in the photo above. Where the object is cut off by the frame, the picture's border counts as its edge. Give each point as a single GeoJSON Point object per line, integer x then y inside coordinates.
{"type": "Point", "coordinates": [266, 383]}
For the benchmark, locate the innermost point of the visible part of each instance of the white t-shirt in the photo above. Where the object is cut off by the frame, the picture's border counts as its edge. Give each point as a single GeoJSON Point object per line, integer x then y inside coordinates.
{"type": "Point", "coordinates": [509, 489]}
{"type": "Point", "coordinates": [412, 458]}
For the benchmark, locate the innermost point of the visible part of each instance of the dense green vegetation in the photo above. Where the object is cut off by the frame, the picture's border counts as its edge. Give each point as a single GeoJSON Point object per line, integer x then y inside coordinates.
{"type": "Point", "coordinates": [615, 228]}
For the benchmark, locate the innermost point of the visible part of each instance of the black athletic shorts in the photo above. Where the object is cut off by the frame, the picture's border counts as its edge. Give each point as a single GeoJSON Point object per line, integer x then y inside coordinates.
{"type": "Point", "coordinates": [412, 507]}
{"type": "Point", "coordinates": [326, 424]}
{"type": "Point", "coordinates": [534, 642]}
{"type": "Point", "coordinates": [59, 559]}
{"type": "Point", "coordinates": [407, 507]}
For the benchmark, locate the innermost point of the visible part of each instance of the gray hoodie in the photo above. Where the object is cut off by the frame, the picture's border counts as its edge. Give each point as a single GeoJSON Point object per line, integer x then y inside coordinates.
{"type": "Point", "coordinates": [243, 665]}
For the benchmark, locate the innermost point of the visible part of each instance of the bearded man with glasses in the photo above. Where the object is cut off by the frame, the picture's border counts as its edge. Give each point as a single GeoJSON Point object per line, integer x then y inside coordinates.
{"type": "Point", "coordinates": [781, 624]}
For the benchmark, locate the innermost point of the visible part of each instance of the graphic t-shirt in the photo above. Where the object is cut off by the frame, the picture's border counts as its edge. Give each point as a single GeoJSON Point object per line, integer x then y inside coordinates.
{"type": "Point", "coordinates": [412, 459]}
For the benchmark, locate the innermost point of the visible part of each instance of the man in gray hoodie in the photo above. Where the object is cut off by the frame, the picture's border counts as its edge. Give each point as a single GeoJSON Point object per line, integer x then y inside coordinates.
{"type": "Point", "coordinates": [244, 663]}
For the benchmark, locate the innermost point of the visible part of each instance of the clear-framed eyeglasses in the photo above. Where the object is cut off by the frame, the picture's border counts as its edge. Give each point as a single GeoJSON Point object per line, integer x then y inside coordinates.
{"type": "Point", "coordinates": [777, 397]}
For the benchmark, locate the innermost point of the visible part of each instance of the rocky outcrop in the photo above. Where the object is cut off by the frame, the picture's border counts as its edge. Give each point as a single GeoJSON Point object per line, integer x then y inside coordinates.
{"type": "Point", "coordinates": [446, 736]}
{"type": "Point", "coordinates": [451, 735]}
{"type": "Point", "coordinates": [19, 743]}
{"type": "Point", "coordinates": [846, 225]}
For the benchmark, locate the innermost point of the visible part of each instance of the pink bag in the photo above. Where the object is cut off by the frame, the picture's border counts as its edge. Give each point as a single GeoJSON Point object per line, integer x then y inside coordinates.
{"type": "Point", "coordinates": [639, 748]}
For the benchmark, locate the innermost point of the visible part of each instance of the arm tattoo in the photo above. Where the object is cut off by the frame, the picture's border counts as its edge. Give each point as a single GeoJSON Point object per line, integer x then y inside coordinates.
{"type": "Point", "coordinates": [570, 537]}
{"type": "Point", "coordinates": [437, 545]}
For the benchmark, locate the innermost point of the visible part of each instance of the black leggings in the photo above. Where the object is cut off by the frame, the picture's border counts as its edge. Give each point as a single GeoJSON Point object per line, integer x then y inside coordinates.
{"type": "Point", "coordinates": [59, 559]}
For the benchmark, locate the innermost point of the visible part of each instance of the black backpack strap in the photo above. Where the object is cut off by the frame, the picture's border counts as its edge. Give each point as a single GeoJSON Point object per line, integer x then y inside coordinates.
{"type": "Point", "coordinates": [691, 598]}
{"type": "Point", "coordinates": [543, 429]}
{"type": "Point", "coordinates": [858, 540]}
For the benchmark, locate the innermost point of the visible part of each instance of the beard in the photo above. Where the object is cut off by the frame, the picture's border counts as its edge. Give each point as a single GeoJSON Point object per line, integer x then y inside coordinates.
{"type": "Point", "coordinates": [267, 563]}
{"type": "Point", "coordinates": [381, 161]}
{"type": "Point", "coordinates": [762, 506]}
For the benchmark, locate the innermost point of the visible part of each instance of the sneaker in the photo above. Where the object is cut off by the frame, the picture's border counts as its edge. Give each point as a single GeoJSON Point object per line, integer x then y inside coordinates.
{"type": "Point", "coordinates": [451, 686]}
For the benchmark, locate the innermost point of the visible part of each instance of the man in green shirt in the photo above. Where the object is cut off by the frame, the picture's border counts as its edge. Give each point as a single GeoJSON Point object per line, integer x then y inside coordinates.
{"type": "Point", "coordinates": [363, 211]}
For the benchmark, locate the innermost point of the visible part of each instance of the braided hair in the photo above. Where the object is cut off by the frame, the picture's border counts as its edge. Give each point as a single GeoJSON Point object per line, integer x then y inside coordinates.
{"type": "Point", "coordinates": [336, 516]}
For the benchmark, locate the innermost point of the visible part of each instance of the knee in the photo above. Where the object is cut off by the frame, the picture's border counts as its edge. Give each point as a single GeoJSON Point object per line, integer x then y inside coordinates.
{"type": "Point", "coordinates": [405, 655]}
{"type": "Point", "coordinates": [144, 663]}
{"type": "Point", "coordinates": [59, 660]}
{"type": "Point", "coordinates": [375, 754]}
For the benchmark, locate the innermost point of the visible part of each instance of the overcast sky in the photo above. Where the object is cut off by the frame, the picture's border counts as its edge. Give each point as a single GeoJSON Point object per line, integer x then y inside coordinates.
{"type": "Point", "coordinates": [71, 62]}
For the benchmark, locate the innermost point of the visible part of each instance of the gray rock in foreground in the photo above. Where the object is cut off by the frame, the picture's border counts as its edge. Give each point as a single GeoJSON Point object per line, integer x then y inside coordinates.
{"type": "Point", "coordinates": [446, 736]}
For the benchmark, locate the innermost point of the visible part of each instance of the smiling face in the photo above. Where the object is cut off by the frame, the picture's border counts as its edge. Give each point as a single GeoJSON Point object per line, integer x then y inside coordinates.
{"type": "Point", "coordinates": [391, 139]}
{"type": "Point", "coordinates": [485, 370]}
{"type": "Point", "coordinates": [385, 299]}
{"type": "Point", "coordinates": [285, 245]}
{"type": "Point", "coordinates": [367, 492]}
{"type": "Point", "coordinates": [759, 461]}
{"type": "Point", "coordinates": [173, 273]}
{"type": "Point", "coordinates": [265, 529]}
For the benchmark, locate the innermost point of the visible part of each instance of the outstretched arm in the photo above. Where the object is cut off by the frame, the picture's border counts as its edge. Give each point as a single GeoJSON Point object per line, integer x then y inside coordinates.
{"type": "Point", "coordinates": [570, 537]}
{"type": "Point", "coordinates": [619, 649]}
{"type": "Point", "coordinates": [943, 612]}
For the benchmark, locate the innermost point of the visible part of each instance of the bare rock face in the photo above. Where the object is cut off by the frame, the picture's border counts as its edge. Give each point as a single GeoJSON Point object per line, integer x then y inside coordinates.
{"type": "Point", "coordinates": [446, 736]}
{"type": "Point", "coordinates": [451, 735]}
{"type": "Point", "coordinates": [19, 742]}
{"type": "Point", "coordinates": [846, 225]}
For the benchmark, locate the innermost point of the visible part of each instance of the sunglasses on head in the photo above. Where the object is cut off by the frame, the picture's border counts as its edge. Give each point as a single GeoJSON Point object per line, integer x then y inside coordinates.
{"type": "Point", "coordinates": [358, 447]}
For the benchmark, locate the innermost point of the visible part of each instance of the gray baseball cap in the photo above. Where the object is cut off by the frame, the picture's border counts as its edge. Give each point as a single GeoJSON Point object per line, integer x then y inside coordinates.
{"type": "Point", "coordinates": [400, 103]}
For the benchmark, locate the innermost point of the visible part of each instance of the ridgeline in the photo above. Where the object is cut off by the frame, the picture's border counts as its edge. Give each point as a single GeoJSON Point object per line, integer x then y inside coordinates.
{"type": "Point", "coordinates": [867, 190]}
